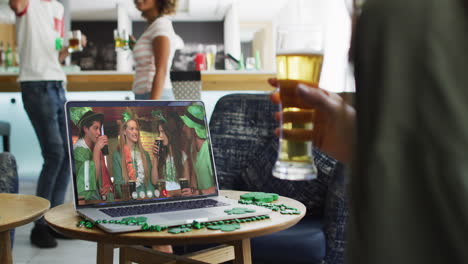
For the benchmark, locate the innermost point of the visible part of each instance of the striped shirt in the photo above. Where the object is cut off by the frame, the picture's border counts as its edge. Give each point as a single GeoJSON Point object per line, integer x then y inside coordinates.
{"type": "Point", "coordinates": [143, 55]}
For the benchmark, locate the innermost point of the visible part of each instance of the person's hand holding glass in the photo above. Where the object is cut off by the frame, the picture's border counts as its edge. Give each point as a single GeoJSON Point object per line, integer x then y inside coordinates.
{"type": "Point", "coordinates": [76, 41]}
{"type": "Point", "coordinates": [123, 40]}
{"type": "Point", "coordinates": [299, 61]}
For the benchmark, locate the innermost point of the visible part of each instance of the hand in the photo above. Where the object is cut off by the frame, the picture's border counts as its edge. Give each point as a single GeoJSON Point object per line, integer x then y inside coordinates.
{"type": "Point", "coordinates": [105, 190]}
{"type": "Point", "coordinates": [84, 40]}
{"type": "Point", "coordinates": [101, 142]}
{"type": "Point", "coordinates": [338, 120]}
{"type": "Point", "coordinates": [155, 150]}
{"type": "Point", "coordinates": [186, 191]}
{"type": "Point", "coordinates": [132, 42]}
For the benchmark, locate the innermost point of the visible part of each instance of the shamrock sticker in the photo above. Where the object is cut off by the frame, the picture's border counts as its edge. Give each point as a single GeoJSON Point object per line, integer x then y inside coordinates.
{"type": "Point", "coordinates": [225, 227]}
{"type": "Point", "coordinates": [177, 230]}
{"type": "Point", "coordinates": [260, 197]}
{"type": "Point", "coordinates": [239, 210]}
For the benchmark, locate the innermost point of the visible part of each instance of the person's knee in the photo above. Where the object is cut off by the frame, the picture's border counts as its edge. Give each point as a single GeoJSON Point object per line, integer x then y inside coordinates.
{"type": "Point", "coordinates": [55, 153]}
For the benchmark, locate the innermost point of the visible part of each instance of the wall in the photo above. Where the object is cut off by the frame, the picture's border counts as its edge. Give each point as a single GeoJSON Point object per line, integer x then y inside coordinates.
{"type": "Point", "coordinates": [335, 19]}
{"type": "Point", "coordinates": [7, 34]}
{"type": "Point", "coordinates": [100, 53]}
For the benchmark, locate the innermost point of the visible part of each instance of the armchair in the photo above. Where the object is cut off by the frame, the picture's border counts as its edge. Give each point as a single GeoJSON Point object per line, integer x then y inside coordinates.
{"type": "Point", "coordinates": [245, 149]}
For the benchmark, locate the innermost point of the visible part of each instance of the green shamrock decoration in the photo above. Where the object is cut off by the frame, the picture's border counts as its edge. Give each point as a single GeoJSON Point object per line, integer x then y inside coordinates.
{"type": "Point", "coordinates": [260, 197]}
{"type": "Point", "coordinates": [225, 227]}
{"type": "Point", "coordinates": [239, 210]}
{"type": "Point", "coordinates": [177, 230]}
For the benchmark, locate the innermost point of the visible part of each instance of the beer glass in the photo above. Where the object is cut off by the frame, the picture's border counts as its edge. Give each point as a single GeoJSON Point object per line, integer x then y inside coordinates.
{"type": "Point", "coordinates": [210, 57]}
{"type": "Point", "coordinates": [74, 41]}
{"type": "Point", "coordinates": [121, 39]}
{"type": "Point", "coordinates": [299, 57]}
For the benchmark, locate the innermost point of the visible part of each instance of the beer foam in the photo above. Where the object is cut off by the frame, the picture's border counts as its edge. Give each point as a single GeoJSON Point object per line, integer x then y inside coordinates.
{"type": "Point", "coordinates": [299, 51]}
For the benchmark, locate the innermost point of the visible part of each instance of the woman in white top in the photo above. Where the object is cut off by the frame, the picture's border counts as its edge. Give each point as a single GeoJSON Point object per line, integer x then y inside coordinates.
{"type": "Point", "coordinates": [154, 51]}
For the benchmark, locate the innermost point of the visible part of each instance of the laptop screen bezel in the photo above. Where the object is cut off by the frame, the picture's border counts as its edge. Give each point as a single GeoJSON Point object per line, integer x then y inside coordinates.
{"type": "Point", "coordinates": [132, 103]}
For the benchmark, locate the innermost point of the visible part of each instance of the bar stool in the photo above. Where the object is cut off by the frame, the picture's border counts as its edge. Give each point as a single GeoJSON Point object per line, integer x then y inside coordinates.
{"type": "Point", "coordinates": [5, 133]}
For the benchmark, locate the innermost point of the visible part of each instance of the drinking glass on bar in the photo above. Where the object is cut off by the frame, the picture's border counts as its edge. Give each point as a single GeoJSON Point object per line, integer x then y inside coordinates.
{"type": "Point", "coordinates": [210, 57]}
{"type": "Point", "coordinates": [74, 41]}
{"type": "Point", "coordinates": [121, 39]}
{"type": "Point", "coordinates": [299, 57]}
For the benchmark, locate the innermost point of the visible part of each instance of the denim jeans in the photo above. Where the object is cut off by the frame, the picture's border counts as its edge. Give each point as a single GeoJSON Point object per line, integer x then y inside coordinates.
{"type": "Point", "coordinates": [44, 103]}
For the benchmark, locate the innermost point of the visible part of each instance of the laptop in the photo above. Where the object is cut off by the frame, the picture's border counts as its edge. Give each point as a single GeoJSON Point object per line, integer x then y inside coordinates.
{"type": "Point", "coordinates": [155, 160]}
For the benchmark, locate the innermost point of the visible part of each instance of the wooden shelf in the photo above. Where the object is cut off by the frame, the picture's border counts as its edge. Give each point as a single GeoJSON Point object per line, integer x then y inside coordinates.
{"type": "Point", "coordinates": [123, 82]}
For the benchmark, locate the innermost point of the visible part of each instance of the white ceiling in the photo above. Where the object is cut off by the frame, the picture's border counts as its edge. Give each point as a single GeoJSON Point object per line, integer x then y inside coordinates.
{"type": "Point", "coordinates": [188, 10]}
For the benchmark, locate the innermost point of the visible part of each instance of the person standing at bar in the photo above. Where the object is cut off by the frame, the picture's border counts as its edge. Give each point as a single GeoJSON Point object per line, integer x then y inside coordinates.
{"type": "Point", "coordinates": [39, 26]}
{"type": "Point", "coordinates": [154, 51]}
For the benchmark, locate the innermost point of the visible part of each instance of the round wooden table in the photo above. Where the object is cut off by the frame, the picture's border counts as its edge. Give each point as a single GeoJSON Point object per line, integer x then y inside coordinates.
{"type": "Point", "coordinates": [63, 219]}
{"type": "Point", "coordinates": [17, 210]}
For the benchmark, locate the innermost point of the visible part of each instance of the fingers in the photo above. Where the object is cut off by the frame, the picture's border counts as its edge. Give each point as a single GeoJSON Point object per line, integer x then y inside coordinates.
{"type": "Point", "coordinates": [275, 97]}
{"type": "Point", "coordinates": [298, 134]}
{"type": "Point", "coordinates": [300, 117]}
{"type": "Point", "coordinates": [319, 99]}
{"type": "Point", "coordinates": [273, 82]}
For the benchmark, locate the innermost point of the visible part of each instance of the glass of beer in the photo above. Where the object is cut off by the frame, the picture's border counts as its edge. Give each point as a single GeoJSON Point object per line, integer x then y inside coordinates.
{"type": "Point", "coordinates": [74, 41]}
{"type": "Point", "coordinates": [121, 39]}
{"type": "Point", "coordinates": [210, 57]}
{"type": "Point", "coordinates": [299, 57]}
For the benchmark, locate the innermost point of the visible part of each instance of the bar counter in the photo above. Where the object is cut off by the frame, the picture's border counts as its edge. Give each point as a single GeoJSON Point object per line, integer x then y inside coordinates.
{"type": "Point", "coordinates": [122, 81]}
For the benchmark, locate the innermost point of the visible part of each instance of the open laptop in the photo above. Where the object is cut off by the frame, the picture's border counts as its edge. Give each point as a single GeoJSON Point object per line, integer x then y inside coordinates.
{"type": "Point", "coordinates": [177, 191]}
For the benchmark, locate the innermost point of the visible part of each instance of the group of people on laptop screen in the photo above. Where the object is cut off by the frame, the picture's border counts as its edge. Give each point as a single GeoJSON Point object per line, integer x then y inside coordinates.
{"type": "Point", "coordinates": [125, 153]}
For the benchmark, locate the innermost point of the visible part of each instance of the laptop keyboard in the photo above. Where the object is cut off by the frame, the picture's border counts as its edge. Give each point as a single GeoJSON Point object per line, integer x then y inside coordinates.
{"type": "Point", "coordinates": [161, 207]}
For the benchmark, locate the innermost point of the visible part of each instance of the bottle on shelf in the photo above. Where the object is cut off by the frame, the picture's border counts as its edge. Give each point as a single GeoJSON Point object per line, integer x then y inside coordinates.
{"type": "Point", "coordinates": [8, 56]}
{"type": "Point", "coordinates": [16, 59]}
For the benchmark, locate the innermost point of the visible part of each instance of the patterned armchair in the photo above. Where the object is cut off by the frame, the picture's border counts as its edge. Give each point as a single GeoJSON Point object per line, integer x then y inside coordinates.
{"type": "Point", "coordinates": [8, 178]}
{"type": "Point", "coordinates": [245, 149]}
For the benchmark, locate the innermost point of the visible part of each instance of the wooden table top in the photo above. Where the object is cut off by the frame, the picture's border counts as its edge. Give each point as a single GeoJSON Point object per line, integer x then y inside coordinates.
{"type": "Point", "coordinates": [63, 218]}
{"type": "Point", "coordinates": [19, 209]}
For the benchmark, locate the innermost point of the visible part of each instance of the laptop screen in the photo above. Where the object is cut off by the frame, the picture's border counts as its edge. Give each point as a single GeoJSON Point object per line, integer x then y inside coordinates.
{"type": "Point", "coordinates": [124, 152]}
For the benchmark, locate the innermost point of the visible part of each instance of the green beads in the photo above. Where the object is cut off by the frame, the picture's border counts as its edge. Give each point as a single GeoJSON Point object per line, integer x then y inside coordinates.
{"type": "Point", "coordinates": [239, 210]}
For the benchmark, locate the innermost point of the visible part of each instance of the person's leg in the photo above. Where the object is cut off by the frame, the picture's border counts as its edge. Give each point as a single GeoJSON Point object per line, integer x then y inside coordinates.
{"type": "Point", "coordinates": [63, 176]}
{"type": "Point", "coordinates": [40, 103]}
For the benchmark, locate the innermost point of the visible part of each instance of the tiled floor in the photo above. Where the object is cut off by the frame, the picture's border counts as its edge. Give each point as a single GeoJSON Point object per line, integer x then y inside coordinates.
{"type": "Point", "coordinates": [67, 251]}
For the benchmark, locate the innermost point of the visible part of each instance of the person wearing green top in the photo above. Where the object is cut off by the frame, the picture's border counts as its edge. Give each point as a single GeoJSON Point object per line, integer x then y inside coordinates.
{"type": "Point", "coordinates": [409, 182]}
{"type": "Point", "coordinates": [195, 130]}
{"type": "Point", "coordinates": [87, 154]}
{"type": "Point", "coordinates": [137, 165]}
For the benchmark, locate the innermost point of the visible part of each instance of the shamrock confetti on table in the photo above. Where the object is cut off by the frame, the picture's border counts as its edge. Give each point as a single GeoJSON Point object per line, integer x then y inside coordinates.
{"type": "Point", "coordinates": [225, 227]}
{"type": "Point", "coordinates": [260, 197]}
{"type": "Point", "coordinates": [239, 210]}
{"type": "Point", "coordinates": [177, 230]}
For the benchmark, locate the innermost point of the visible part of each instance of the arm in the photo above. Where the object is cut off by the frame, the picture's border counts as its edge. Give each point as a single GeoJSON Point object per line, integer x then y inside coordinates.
{"type": "Point", "coordinates": [85, 179]}
{"type": "Point", "coordinates": [100, 143]}
{"type": "Point", "coordinates": [186, 175]}
{"type": "Point", "coordinates": [18, 6]}
{"type": "Point", "coordinates": [155, 162]}
{"type": "Point", "coordinates": [63, 54]}
{"type": "Point", "coordinates": [161, 49]}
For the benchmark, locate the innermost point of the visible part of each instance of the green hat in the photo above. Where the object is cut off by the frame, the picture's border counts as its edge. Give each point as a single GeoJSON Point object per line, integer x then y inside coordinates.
{"type": "Point", "coordinates": [195, 118]}
{"type": "Point", "coordinates": [158, 114]}
{"type": "Point", "coordinates": [79, 115]}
